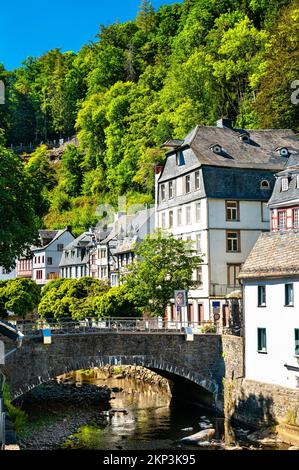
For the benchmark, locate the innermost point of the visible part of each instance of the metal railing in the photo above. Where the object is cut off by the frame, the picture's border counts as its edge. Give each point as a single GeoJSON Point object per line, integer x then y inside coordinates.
{"type": "Point", "coordinates": [109, 325]}
{"type": "Point", "coordinates": [222, 290]}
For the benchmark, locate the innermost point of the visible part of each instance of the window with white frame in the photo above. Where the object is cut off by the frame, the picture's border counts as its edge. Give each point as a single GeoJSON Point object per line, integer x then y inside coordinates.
{"type": "Point", "coordinates": [163, 220]}
{"type": "Point", "coordinates": [198, 274]}
{"type": "Point", "coordinates": [188, 215]}
{"type": "Point", "coordinates": [171, 189]}
{"type": "Point", "coordinates": [296, 218]}
{"type": "Point", "coordinates": [180, 215]}
{"type": "Point", "coordinates": [198, 243]}
{"type": "Point", "coordinates": [170, 219]}
{"type": "Point", "coordinates": [233, 241]}
{"type": "Point", "coordinates": [187, 184]}
{"type": "Point", "coordinates": [197, 212]}
{"type": "Point", "coordinates": [284, 184]}
{"type": "Point", "coordinates": [163, 192]}
{"type": "Point", "coordinates": [281, 220]}
{"type": "Point", "coordinates": [197, 180]}
{"type": "Point", "coordinates": [232, 210]}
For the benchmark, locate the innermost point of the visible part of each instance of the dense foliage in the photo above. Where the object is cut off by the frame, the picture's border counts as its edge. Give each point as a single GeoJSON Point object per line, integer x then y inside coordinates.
{"type": "Point", "coordinates": [165, 264]}
{"type": "Point", "coordinates": [19, 296]}
{"type": "Point", "coordinates": [143, 81]}
{"type": "Point", "coordinates": [18, 222]}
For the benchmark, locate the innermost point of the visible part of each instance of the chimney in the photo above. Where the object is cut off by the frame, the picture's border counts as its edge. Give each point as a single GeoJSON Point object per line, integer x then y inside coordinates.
{"type": "Point", "coordinates": [225, 122]}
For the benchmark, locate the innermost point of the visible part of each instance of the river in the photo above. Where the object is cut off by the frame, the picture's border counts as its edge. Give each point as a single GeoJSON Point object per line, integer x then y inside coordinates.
{"type": "Point", "coordinates": [141, 416]}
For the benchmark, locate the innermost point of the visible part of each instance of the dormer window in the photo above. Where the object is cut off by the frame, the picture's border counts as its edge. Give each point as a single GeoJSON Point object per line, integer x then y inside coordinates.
{"type": "Point", "coordinates": [284, 184]}
{"type": "Point", "coordinates": [180, 160]}
{"type": "Point", "coordinates": [283, 151]}
{"type": "Point", "coordinates": [265, 184]}
{"type": "Point", "coordinates": [297, 181]}
{"type": "Point", "coordinates": [244, 137]}
{"type": "Point", "coordinates": [216, 148]}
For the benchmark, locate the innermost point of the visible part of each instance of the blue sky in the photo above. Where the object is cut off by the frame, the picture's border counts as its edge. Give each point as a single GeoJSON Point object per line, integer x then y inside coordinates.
{"type": "Point", "coordinates": [32, 27]}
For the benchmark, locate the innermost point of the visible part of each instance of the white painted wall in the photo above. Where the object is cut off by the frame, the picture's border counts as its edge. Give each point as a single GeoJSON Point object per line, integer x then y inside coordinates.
{"type": "Point", "coordinates": [4, 276]}
{"type": "Point", "coordinates": [280, 322]}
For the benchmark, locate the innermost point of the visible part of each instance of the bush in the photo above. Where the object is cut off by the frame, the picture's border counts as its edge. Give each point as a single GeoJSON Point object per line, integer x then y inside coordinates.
{"type": "Point", "coordinates": [209, 328]}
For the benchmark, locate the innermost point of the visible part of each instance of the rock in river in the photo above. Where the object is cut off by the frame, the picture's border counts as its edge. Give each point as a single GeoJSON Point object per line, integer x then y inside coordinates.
{"type": "Point", "coordinates": [199, 436]}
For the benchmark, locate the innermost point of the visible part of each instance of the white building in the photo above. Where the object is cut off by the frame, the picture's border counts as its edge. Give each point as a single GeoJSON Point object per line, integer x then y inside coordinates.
{"type": "Point", "coordinates": [271, 292]}
{"type": "Point", "coordinates": [76, 258]}
{"type": "Point", "coordinates": [47, 256]}
{"type": "Point", "coordinates": [5, 275]}
{"type": "Point", "coordinates": [213, 190]}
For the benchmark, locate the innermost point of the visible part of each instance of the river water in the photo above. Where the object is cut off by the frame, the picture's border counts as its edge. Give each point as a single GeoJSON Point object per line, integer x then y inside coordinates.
{"type": "Point", "coordinates": [141, 417]}
{"type": "Point", "coordinates": [150, 420]}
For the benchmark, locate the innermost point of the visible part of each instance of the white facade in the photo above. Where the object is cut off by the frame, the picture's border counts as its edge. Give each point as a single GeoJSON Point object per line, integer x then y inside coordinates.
{"type": "Point", "coordinates": [204, 221]}
{"type": "Point", "coordinates": [6, 275]}
{"type": "Point", "coordinates": [45, 263]}
{"type": "Point", "coordinates": [273, 364]}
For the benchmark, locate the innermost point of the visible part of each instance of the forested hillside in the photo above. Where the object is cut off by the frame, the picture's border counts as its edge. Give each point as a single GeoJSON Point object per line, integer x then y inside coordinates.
{"type": "Point", "coordinates": [141, 82]}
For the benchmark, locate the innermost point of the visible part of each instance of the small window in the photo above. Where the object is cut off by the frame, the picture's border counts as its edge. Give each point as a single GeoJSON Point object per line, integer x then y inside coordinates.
{"type": "Point", "coordinates": [297, 181]}
{"type": "Point", "coordinates": [261, 296]}
{"type": "Point", "coordinates": [265, 184]}
{"type": "Point", "coordinates": [188, 215]}
{"type": "Point", "coordinates": [163, 220]}
{"type": "Point", "coordinates": [39, 274]}
{"type": "Point", "coordinates": [197, 180]}
{"type": "Point", "coordinates": [232, 210]}
{"type": "Point", "coordinates": [297, 341]}
{"type": "Point", "coordinates": [216, 148]}
{"type": "Point", "coordinates": [261, 340]}
{"type": "Point", "coordinates": [180, 160]}
{"type": "Point", "coordinates": [60, 247]}
{"type": "Point", "coordinates": [289, 295]}
{"type": "Point", "coordinates": [197, 212]}
{"type": "Point", "coordinates": [245, 137]}
{"type": "Point", "coordinates": [170, 219]}
{"type": "Point", "coordinates": [233, 242]}
{"type": "Point", "coordinates": [198, 243]}
{"type": "Point", "coordinates": [188, 184]}
{"type": "Point", "coordinates": [281, 220]}
{"type": "Point", "coordinates": [49, 261]}
{"type": "Point", "coordinates": [296, 218]}
{"type": "Point", "coordinates": [199, 277]}
{"type": "Point", "coordinates": [163, 192]}
{"type": "Point", "coordinates": [283, 151]}
{"type": "Point", "coordinates": [284, 184]}
{"type": "Point", "coordinates": [171, 189]}
{"type": "Point", "coordinates": [103, 253]}
{"type": "Point", "coordinates": [180, 212]}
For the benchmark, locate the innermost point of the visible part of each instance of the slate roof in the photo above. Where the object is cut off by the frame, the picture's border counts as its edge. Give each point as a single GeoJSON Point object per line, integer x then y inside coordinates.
{"type": "Point", "coordinates": [83, 242]}
{"type": "Point", "coordinates": [290, 196]}
{"type": "Point", "coordinates": [236, 183]}
{"type": "Point", "coordinates": [259, 153]}
{"type": "Point", "coordinates": [274, 255]}
{"type": "Point", "coordinates": [137, 227]}
{"type": "Point", "coordinates": [46, 237]}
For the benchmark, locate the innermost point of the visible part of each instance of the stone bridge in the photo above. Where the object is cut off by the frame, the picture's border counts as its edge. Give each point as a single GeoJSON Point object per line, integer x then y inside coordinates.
{"type": "Point", "coordinates": [196, 368]}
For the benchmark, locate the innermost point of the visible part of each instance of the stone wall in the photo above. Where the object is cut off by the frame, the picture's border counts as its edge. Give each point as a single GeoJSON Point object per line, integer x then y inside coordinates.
{"type": "Point", "coordinates": [259, 404]}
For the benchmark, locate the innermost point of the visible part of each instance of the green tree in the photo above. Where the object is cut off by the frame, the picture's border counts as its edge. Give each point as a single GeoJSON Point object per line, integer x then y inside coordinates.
{"type": "Point", "coordinates": [20, 296]}
{"type": "Point", "coordinates": [71, 298]}
{"type": "Point", "coordinates": [116, 302]}
{"type": "Point", "coordinates": [164, 264]}
{"type": "Point", "coordinates": [18, 225]}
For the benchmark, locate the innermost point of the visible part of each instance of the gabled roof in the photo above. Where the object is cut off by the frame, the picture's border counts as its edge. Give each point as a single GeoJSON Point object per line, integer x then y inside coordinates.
{"type": "Point", "coordinates": [83, 243]}
{"type": "Point", "coordinates": [290, 196]}
{"type": "Point", "coordinates": [47, 237]}
{"type": "Point", "coordinates": [274, 255]}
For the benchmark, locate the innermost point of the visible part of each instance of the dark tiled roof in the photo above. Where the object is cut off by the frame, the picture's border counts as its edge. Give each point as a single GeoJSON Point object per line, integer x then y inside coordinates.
{"type": "Point", "coordinates": [292, 194]}
{"type": "Point", "coordinates": [259, 153]}
{"type": "Point", "coordinates": [274, 255]}
{"type": "Point", "coordinates": [236, 183]}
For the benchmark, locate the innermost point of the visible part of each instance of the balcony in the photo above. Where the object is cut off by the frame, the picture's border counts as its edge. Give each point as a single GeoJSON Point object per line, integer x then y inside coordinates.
{"type": "Point", "coordinates": [224, 290]}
